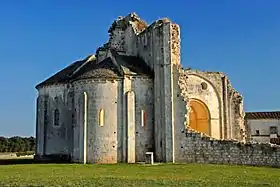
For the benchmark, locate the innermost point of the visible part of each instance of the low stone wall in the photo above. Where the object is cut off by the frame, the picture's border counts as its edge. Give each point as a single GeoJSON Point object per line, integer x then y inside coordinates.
{"type": "Point", "coordinates": [198, 148]}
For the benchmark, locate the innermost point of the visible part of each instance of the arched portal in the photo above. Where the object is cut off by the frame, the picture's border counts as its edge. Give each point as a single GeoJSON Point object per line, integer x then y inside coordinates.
{"type": "Point", "coordinates": [199, 116]}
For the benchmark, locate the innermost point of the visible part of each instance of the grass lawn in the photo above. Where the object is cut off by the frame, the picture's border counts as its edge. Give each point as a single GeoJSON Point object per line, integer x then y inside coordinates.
{"type": "Point", "coordinates": [124, 175]}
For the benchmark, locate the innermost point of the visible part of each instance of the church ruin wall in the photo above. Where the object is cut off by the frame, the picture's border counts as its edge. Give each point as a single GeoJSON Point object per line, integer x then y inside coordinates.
{"type": "Point", "coordinates": [154, 47]}
{"type": "Point", "coordinates": [202, 90]}
{"type": "Point", "coordinates": [236, 111]}
{"type": "Point", "coordinates": [144, 115]}
{"type": "Point", "coordinates": [159, 45]}
{"type": "Point", "coordinates": [198, 148]}
{"type": "Point", "coordinates": [54, 139]}
{"type": "Point", "coordinates": [230, 102]}
{"type": "Point", "coordinates": [101, 137]}
{"type": "Point", "coordinates": [108, 143]}
{"type": "Point", "coordinates": [195, 147]}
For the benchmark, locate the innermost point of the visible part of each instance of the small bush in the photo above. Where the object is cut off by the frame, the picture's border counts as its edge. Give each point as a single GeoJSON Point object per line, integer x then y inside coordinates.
{"type": "Point", "coordinates": [25, 153]}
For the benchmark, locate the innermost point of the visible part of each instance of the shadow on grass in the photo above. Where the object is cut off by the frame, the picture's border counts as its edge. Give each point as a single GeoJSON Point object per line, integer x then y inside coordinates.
{"type": "Point", "coordinates": [46, 159]}
{"type": "Point", "coordinates": [30, 161]}
{"type": "Point", "coordinates": [16, 161]}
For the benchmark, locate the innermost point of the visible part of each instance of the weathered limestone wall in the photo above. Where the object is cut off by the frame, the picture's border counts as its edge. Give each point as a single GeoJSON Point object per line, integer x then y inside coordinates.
{"type": "Point", "coordinates": [236, 129]}
{"type": "Point", "coordinates": [128, 102]}
{"type": "Point", "coordinates": [109, 143]}
{"type": "Point", "coordinates": [144, 126]}
{"type": "Point", "coordinates": [54, 139]}
{"type": "Point", "coordinates": [122, 129]}
{"type": "Point", "coordinates": [39, 126]}
{"type": "Point", "coordinates": [159, 46]}
{"type": "Point", "coordinates": [147, 42]}
{"type": "Point", "coordinates": [197, 148]}
{"type": "Point", "coordinates": [181, 114]}
{"type": "Point", "coordinates": [104, 144]}
{"type": "Point", "coordinates": [155, 46]}
{"type": "Point", "coordinates": [123, 34]}
{"type": "Point", "coordinates": [101, 140]}
{"type": "Point", "coordinates": [201, 89]}
{"type": "Point", "coordinates": [130, 118]}
{"type": "Point", "coordinates": [194, 147]}
{"type": "Point", "coordinates": [130, 41]}
{"type": "Point", "coordinates": [179, 102]}
{"type": "Point", "coordinates": [225, 104]}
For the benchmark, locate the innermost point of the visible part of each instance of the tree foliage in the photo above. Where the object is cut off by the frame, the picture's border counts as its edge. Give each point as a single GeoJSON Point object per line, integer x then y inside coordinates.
{"type": "Point", "coordinates": [17, 144]}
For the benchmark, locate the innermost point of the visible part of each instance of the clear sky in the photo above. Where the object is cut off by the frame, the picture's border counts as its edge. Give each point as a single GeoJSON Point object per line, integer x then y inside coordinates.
{"type": "Point", "coordinates": [40, 37]}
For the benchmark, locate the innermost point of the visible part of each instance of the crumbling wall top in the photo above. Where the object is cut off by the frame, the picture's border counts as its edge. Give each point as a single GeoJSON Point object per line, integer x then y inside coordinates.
{"type": "Point", "coordinates": [195, 71]}
{"type": "Point", "coordinates": [132, 19]}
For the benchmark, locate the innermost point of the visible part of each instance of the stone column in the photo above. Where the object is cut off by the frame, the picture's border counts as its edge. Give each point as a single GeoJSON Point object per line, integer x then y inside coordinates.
{"type": "Point", "coordinates": [130, 127]}
{"type": "Point", "coordinates": [85, 102]}
{"type": "Point", "coordinates": [46, 118]}
{"type": "Point", "coordinates": [126, 88]}
{"type": "Point", "coordinates": [39, 126]}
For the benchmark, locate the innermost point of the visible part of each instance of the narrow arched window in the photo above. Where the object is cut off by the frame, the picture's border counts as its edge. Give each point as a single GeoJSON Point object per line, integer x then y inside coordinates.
{"type": "Point", "coordinates": [143, 118]}
{"type": "Point", "coordinates": [56, 117]}
{"type": "Point", "coordinates": [101, 117]}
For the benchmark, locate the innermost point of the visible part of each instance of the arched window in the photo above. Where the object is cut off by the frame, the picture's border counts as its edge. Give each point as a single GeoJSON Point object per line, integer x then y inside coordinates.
{"type": "Point", "coordinates": [101, 117]}
{"type": "Point", "coordinates": [143, 118]}
{"type": "Point", "coordinates": [56, 117]}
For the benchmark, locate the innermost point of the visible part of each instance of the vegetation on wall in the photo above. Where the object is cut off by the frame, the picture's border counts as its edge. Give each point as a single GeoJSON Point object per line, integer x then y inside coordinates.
{"type": "Point", "coordinates": [17, 144]}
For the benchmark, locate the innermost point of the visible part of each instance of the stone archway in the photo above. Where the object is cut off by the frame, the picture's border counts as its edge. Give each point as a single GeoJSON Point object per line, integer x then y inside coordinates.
{"type": "Point", "coordinates": [199, 118]}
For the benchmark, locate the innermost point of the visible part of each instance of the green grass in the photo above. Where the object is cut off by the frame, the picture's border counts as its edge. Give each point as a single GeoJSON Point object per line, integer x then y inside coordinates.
{"type": "Point", "coordinates": [124, 175]}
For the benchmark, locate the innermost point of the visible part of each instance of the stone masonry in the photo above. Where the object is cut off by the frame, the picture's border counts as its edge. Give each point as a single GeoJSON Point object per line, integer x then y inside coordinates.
{"type": "Point", "coordinates": [133, 97]}
{"type": "Point", "coordinates": [196, 147]}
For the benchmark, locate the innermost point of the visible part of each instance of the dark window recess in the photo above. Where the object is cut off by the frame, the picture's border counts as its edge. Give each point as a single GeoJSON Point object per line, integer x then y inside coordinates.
{"type": "Point", "coordinates": [257, 132]}
{"type": "Point", "coordinates": [73, 119]}
{"type": "Point", "coordinates": [56, 117]}
{"type": "Point", "coordinates": [273, 130]}
{"type": "Point", "coordinates": [203, 86]}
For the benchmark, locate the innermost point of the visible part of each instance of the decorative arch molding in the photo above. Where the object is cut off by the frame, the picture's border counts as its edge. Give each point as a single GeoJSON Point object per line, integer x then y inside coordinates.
{"type": "Point", "coordinates": [209, 82]}
{"type": "Point", "coordinates": [214, 106]}
{"type": "Point", "coordinates": [202, 103]}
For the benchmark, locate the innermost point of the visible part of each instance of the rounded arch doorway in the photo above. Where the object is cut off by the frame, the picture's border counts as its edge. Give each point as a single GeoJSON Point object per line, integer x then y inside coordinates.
{"type": "Point", "coordinates": [199, 116]}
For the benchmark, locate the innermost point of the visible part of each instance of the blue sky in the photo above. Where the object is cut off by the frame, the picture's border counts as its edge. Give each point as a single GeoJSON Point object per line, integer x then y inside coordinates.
{"type": "Point", "coordinates": [39, 37]}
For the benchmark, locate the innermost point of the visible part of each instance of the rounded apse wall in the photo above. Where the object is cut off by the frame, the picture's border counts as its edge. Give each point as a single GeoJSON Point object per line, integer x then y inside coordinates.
{"type": "Point", "coordinates": [102, 117]}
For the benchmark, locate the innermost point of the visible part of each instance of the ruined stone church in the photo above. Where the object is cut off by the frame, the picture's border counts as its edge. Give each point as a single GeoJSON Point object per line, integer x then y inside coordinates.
{"type": "Point", "coordinates": [133, 96]}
